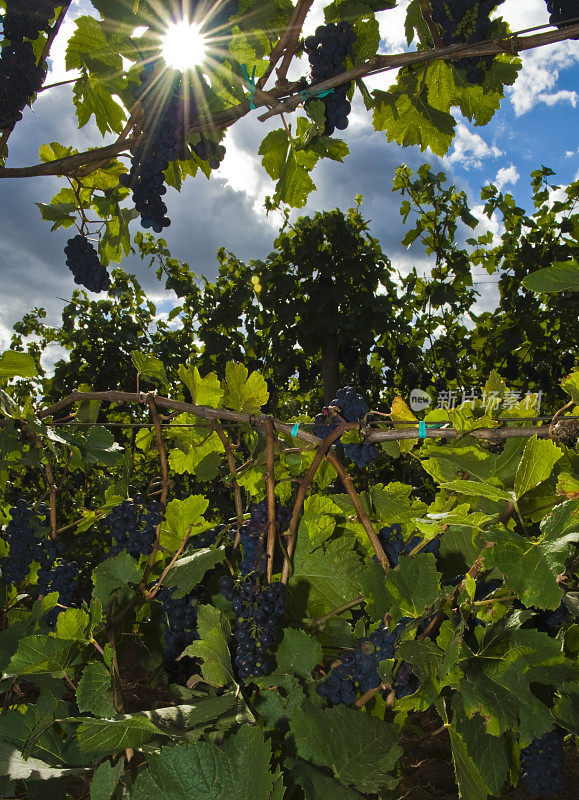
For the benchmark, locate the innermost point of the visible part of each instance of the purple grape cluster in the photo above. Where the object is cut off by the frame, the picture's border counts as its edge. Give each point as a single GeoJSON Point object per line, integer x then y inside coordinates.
{"type": "Point", "coordinates": [23, 545]}
{"type": "Point", "coordinates": [83, 261]}
{"type": "Point", "coordinates": [20, 76]}
{"type": "Point", "coordinates": [466, 22]}
{"type": "Point", "coordinates": [542, 764]}
{"type": "Point", "coordinates": [259, 611]}
{"type": "Point", "coordinates": [179, 624]}
{"type": "Point", "coordinates": [58, 576]}
{"type": "Point", "coordinates": [166, 113]}
{"type": "Point", "coordinates": [547, 620]}
{"type": "Point", "coordinates": [327, 51]}
{"type": "Point", "coordinates": [351, 408]}
{"type": "Point", "coordinates": [394, 545]}
{"type": "Point", "coordinates": [562, 11]}
{"type": "Point", "coordinates": [133, 527]}
{"type": "Point", "coordinates": [357, 671]}
{"type": "Point", "coordinates": [205, 539]}
{"type": "Point", "coordinates": [254, 556]}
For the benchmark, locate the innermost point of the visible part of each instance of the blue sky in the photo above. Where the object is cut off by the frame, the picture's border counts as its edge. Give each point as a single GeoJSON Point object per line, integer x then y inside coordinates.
{"type": "Point", "coordinates": [537, 124]}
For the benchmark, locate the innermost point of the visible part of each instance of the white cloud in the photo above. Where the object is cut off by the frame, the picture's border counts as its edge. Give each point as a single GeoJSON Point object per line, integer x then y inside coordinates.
{"type": "Point", "coordinates": [506, 175]}
{"type": "Point", "coordinates": [522, 15]}
{"type": "Point", "coordinates": [470, 149]}
{"type": "Point", "coordinates": [392, 35]}
{"type": "Point", "coordinates": [540, 74]}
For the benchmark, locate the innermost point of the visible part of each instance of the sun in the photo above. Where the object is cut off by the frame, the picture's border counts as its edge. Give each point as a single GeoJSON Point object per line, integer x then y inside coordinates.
{"type": "Point", "coordinates": [184, 46]}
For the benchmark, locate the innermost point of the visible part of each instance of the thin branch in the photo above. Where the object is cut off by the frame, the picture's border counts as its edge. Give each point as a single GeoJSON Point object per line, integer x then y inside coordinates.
{"type": "Point", "coordinates": [149, 595]}
{"type": "Point", "coordinates": [150, 398]}
{"type": "Point", "coordinates": [270, 484]}
{"type": "Point", "coordinates": [322, 620]}
{"type": "Point", "coordinates": [360, 512]}
{"type": "Point", "coordinates": [232, 469]}
{"type": "Point", "coordinates": [285, 38]}
{"type": "Point", "coordinates": [300, 13]}
{"type": "Point", "coordinates": [304, 485]}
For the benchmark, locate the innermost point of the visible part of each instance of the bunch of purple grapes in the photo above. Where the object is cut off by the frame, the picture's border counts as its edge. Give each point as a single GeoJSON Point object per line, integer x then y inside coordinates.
{"type": "Point", "coordinates": [466, 22]}
{"type": "Point", "coordinates": [20, 76]}
{"type": "Point", "coordinates": [179, 624]}
{"type": "Point", "coordinates": [166, 113]}
{"type": "Point", "coordinates": [394, 545]}
{"type": "Point", "coordinates": [133, 527]}
{"type": "Point", "coordinates": [254, 556]}
{"type": "Point", "coordinates": [327, 51]}
{"type": "Point", "coordinates": [259, 611]}
{"type": "Point", "coordinates": [352, 408]}
{"type": "Point", "coordinates": [562, 11]}
{"type": "Point", "coordinates": [542, 764]}
{"type": "Point", "coordinates": [83, 261]}
{"type": "Point", "coordinates": [58, 576]}
{"type": "Point", "coordinates": [357, 671]}
{"type": "Point", "coordinates": [23, 545]}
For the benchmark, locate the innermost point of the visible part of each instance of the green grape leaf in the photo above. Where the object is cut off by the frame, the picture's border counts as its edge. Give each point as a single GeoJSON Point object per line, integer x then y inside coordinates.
{"type": "Point", "coordinates": [205, 391]}
{"type": "Point", "coordinates": [497, 681]}
{"type": "Point", "coordinates": [13, 764]}
{"type": "Point", "coordinates": [571, 386]}
{"type": "Point", "coordinates": [531, 567]}
{"type": "Point", "coordinates": [73, 624]}
{"type": "Point", "coordinates": [408, 118]}
{"type": "Point", "coordinates": [539, 458]}
{"type": "Point", "coordinates": [471, 785]}
{"type": "Point", "coordinates": [562, 276]}
{"type": "Point", "coordinates": [202, 770]}
{"type": "Point", "coordinates": [316, 784]}
{"type": "Point", "coordinates": [298, 653]}
{"type": "Point", "coordinates": [244, 392]}
{"type": "Point", "coordinates": [566, 709]}
{"type": "Point", "coordinates": [38, 654]}
{"type": "Point", "coordinates": [92, 96]}
{"type": "Point", "coordinates": [413, 585]}
{"type": "Point", "coordinates": [150, 367]}
{"type": "Point", "coordinates": [100, 447]}
{"type": "Point", "coordinates": [186, 573]}
{"type": "Point", "coordinates": [109, 736]}
{"type": "Point", "coordinates": [212, 647]}
{"type": "Point", "coordinates": [17, 365]}
{"type": "Point", "coordinates": [105, 780]}
{"type": "Point", "coordinates": [360, 750]}
{"type": "Point", "coordinates": [181, 516]}
{"type": "Point", "coordinates": [488, 753]}
{"type": "Point", "coordinates": [331, 574]}
{"type": "Point", "coordinates": [114, 573]}
{"type": "Point", "coordinates": [94, 692]}
{"type": "Point", "coordinates": [476, 489]}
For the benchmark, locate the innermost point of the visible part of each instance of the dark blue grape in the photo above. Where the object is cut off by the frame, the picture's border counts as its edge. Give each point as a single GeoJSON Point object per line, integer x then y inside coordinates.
{"type": "Point", "coordinates": [83, 261]}
{"type": "Point", "coordinates": [542, 764]}
{"type": "Point", "coordinates": [133, 527]}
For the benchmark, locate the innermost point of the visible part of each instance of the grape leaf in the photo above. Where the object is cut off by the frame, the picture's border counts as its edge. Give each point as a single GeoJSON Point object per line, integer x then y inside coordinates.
{"type": "Point", "coordinates": [17, 365]}
{"type": "Point", "coordinates": [205, 391]}
{"type": "Point", "coordinates": [477, 489]}
{"type": "Point", "coordinates": [105, 780]}
{"type": "Point", "coordinates": [562, 276]}
{"type": "Point", "coordinates": [114, 573]}
{"type": "Point", "coordinates": [243, 393]}
{"type": "Point", "coordinates": [471, 786]}
{"type": "Point", "coordinates": [413, 585]}
{"type": "Point", "coordinates": [539, 458]}
{"type": "Point", "coordinates": [316, 784]}
{"type": "Point", "coordinates": [38, 654]}
{"type": "Point", "coordinates": [359, 749]}
{"type": "Point", "coordinates": [212, 647]}
{"type": "Point", "coordinates": [94, 692]}
{"type": "Point", "coordinates": [149, 367]}
{"type": "Point", "coordinates": [298, 653]}
{"type": "Point", "coordinates": [187, 573]}
{"type": "Point", "coordinates": [31, 769]}
{"type": "Point", "coordinates": [331, 574]}
{"type": "Point", "coordinates": [201, 770]}
{"type": "Point", "coordinates": [108, 736]}
{"type": "Point", "coordinates": [531, 567]}
{"type": "Point", "coordinates": [180, 517]}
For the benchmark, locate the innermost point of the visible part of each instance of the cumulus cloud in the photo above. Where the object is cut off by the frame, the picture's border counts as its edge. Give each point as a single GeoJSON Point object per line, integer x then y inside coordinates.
{"type": "Point", "coordinates": [470, 149]}
{"type": "Point", "coordinates": [540, 75]}
{"type": "Point", "coordinates": [505, 176]}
